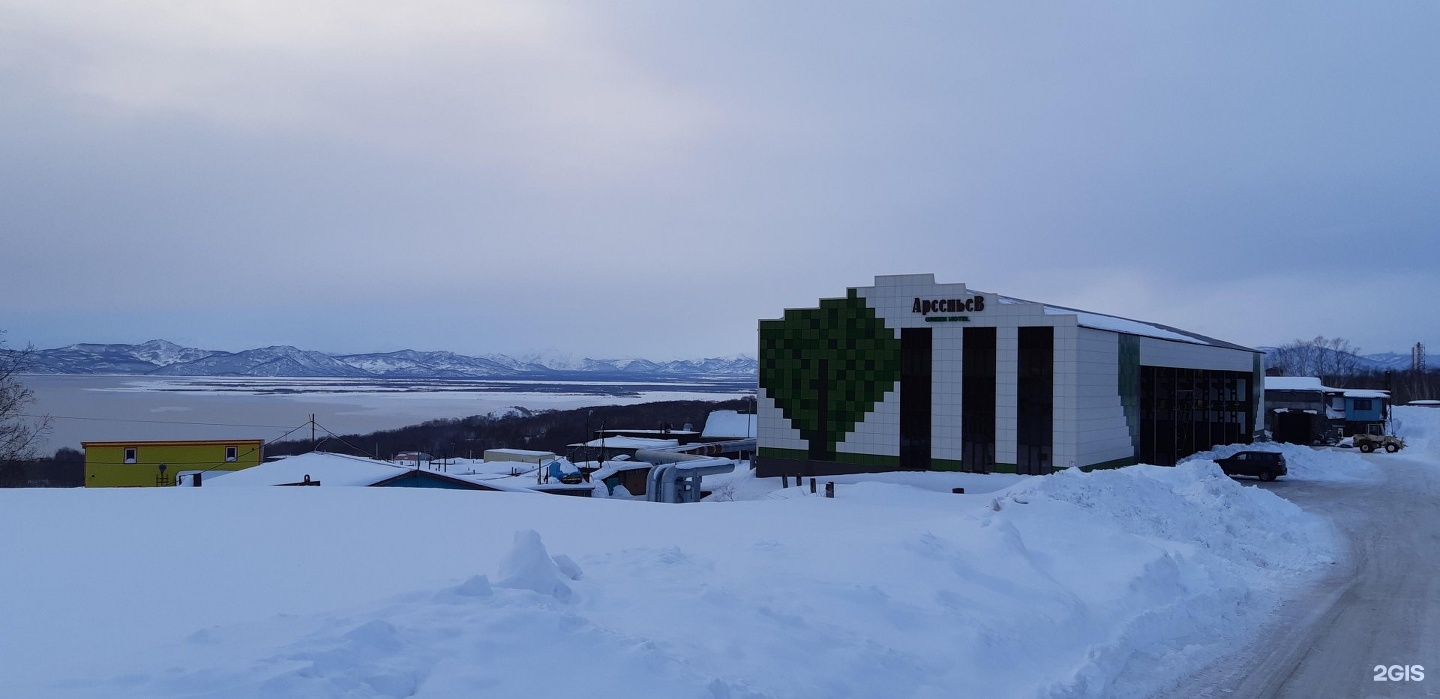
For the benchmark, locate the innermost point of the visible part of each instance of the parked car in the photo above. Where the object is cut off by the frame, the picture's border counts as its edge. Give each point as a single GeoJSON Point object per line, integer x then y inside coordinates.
{"type": "Point", "coordinates": [1265, 465]}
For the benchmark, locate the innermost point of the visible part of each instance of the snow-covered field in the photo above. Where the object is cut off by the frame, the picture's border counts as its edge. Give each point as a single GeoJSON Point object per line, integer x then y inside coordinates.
{"type": "Point", "coordinates": [1107, 584]}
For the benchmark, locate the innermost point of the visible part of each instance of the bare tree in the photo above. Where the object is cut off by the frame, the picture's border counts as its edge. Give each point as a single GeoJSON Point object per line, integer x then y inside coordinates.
{"type": "Point", "coordinates": [1339, 360]}
{"type": "Point", "coordinates": [1332, 359]}
{"type": "Point", "coordinates": [1286, 359]}
{"type": "Point", "coordinates": [20, 434]}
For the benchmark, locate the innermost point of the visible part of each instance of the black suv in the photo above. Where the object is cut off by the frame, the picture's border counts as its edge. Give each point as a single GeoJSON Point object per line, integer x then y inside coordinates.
{"type": "Point", "coordinates": [1265, 465]}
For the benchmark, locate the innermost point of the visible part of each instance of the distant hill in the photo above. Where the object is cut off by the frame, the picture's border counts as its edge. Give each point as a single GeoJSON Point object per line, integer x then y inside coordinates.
{"type": "Point", "coordinates": [162, 358]}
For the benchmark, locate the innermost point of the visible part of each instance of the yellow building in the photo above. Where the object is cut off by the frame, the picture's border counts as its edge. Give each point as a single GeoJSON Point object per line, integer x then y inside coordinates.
{"type": "Point", "coordinates": [136, 464]}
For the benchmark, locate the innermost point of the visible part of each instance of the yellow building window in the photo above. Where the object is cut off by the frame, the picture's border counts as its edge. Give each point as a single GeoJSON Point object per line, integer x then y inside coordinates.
{"type": "Point", "coordinates": [130, 456]}
{"type": "Point", "coordinates": [231, 453]}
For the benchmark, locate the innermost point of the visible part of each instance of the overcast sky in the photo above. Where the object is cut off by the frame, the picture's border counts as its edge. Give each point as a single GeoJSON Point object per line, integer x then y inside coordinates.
{"type": "Point", "coordinates": [650, 178]}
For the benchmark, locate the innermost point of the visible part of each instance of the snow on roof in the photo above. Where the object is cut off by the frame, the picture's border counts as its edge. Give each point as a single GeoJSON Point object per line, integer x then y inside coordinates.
{"type": "Point", "coordinates": [728, 423]}
{"type": "Point", "coordinates": [1430, 403]}
{"type": "Point", "coordinates": [1295, 383]}
{"type": "Point", "coordinates": [1100, 321]}
{"type": "Point", "coordinates": [329, 469]}
{"type": "Point", "coordinates": [613, 467]}
{"type": "Point", "coordinates": [510, 484]}
{"type": "Point", "coordinates": [520, 452]}
{"type": "Point", "coordinates": [1365, 393]}
{"type": "Point", "coordinates": [628, 443]}
{"type": "Point", "coordinates": [622, 431]}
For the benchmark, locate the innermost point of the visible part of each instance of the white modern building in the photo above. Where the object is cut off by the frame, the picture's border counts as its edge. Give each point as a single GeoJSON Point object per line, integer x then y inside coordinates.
{"type": "Point", "coordinates": [909, 374]}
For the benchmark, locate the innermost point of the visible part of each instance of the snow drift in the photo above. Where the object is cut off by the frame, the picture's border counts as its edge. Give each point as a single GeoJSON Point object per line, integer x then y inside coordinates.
{"type": "Point", "coordinates": [1105, 584]}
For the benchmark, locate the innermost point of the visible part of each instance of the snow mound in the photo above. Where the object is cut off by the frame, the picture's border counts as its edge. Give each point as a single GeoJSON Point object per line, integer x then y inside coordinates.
{"type": "Point", "coordinates": [1304, 463]}
{"type": "Point", "coordinates": [1193, 506]}
{"type": "Point", "coordinates": [528, 566]}
{"type": "Point", "coordinates": [1420, 428]}
{"type": "Point", "coordinates": [1196, 555]}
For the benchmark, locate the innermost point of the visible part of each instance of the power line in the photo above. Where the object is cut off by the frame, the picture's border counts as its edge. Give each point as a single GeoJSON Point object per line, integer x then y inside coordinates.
{"type": "Point", "coordinates": [341, 439]}
{"type": "Point", "coordinates": [262, 446]}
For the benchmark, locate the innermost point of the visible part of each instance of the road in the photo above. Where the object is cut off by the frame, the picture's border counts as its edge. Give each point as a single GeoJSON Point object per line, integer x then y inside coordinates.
{"type": "Point", "coordinates": [1381, 606]}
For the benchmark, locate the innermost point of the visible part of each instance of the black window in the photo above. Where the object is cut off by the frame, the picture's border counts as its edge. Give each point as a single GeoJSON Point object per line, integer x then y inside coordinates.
{"type": "Point", "coordinates": [977, 401]}
{"type": "Point", "coordinates": [915, 398]}
{"type": "Point", "coordinates": [230, 453]}
{"type": "Point", "coordinates": [1035, 386]}
{"type": "Point", "coordinates": [1364, 404]}
{"type": "Point", "coordinates": [130, 455]}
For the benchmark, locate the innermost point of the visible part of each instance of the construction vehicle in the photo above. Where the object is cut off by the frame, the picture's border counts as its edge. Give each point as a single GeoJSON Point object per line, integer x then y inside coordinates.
{"type": "Point", "coordinates": [1374, 437]}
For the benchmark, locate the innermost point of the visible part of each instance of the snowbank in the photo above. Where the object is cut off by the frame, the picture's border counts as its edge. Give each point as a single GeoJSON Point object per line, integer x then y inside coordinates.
{"type": "Point", "coordinates": [1106, 584]}
{"type": "Point", "coordinates": [741, 484]}
{"type": "Point", "coordinates": [1305, 463]}
{"type": "Point", "coordinates": [1420, 428]}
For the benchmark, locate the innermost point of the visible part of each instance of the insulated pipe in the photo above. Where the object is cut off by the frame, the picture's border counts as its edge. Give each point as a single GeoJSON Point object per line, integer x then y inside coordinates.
{"type": "Point", "coordinates": [663, 483]}
{"type": "Point", "coordinates": [658, 475]}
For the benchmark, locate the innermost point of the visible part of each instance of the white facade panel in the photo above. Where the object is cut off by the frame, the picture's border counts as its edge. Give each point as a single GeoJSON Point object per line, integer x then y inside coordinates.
{"type": "Point", "coordinates": [1101, 433]}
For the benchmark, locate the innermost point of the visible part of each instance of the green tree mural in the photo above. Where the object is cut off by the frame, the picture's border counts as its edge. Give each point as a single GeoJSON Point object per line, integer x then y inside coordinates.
{"type": "Point", "coordinates": [827, 367]}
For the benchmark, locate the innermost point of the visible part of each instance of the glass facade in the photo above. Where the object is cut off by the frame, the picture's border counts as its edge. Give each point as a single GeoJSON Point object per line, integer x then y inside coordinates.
{"type": "Point", "coordinates": [915, 398]}
{"type": "Point", "coordinates": [1183, 411]}
{"type": "Point", "coordinates": [977, 401]}
{"type": "Point", "coordinates": [1035, 404]}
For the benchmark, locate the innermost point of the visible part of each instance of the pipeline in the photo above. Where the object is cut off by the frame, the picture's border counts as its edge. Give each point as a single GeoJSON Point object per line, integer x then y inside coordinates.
{"type": "Point", "coordinates": [676, 477]}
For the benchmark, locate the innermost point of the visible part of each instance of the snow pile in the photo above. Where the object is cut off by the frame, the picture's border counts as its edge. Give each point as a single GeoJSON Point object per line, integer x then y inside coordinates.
{"type": "Point", "coordinates": [529, 566]}
{"type": "Point", "coordinates": [1420, 428]}
{"type": "Point", "coordinates": [1304, 463]}
{"type": "Point", "coordinates": [741, 484]}
{"type": "Point", "coordinates": [1107, 584]}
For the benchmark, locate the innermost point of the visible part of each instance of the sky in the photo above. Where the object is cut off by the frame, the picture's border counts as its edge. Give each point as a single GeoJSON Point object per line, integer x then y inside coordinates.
{"type": "Point", "coordinates": [651, 178]}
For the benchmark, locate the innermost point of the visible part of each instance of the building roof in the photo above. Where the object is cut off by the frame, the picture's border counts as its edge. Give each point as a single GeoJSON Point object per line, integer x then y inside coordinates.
{"type": "Point", "coordinates": [1101, 321]}
{"type": "Point", "coordinates": [1365, 393]}
{"type": "Point", "coordinates": [628, 443]}
{"type": "Point", "coordinates": [648, 431]}
{"type": "Point", "coordinates": [175, 443]}
{"type": "Point", "coordinates": [520, 452]}
{"type": "Point", "coordinates": [1296, 383]}
{"type": "Point", "coordinates": [329, 469]}
{"type": "Point", "coordinates": [332, 470]}
{"type": "Point", "coordinates": [1086, 319]}
{"type": "Point", "coordinates": [728, 424]}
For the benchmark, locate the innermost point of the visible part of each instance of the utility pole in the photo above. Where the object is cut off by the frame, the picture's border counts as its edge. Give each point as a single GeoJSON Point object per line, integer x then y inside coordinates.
{"type": "Point", "coordinates": [312, 431]}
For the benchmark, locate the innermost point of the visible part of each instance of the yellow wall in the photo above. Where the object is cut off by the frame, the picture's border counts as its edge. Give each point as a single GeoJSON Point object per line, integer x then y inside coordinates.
{"type": "Point", "coordinates": [105, 461]}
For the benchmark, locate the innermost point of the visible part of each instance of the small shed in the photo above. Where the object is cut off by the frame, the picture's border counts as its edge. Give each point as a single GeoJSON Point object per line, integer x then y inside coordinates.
{"type": "Point", "coordinates": [1365, 407]}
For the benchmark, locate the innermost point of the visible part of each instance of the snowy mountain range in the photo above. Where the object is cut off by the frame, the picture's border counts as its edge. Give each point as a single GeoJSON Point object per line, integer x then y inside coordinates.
{"type": "Point", "coordinates": [162, 358]}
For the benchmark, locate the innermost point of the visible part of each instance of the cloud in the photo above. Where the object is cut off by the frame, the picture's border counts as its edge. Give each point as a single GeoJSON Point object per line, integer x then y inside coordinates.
{"type": "Point", "coordinates": [526, 84]}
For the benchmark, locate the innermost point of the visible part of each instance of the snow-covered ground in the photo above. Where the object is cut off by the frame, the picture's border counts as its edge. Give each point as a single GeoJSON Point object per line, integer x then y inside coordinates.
{"type": "Point", "coordinates": [1106, 584]}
